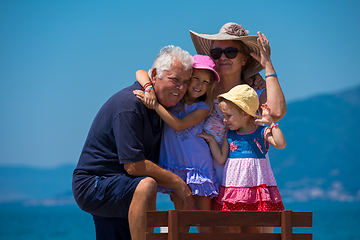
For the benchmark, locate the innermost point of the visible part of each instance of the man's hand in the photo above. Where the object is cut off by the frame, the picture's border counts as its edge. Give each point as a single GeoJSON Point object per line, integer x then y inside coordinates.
{"type": "Point", "coordinates": [256, 81]}
{"type": "Point", "coordinates": [163, 178]}
{"type": "Point", "coordinates": [186, 196]}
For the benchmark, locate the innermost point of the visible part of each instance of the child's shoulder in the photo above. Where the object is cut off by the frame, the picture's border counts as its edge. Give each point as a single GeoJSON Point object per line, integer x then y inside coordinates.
{"type": "Point", "coordinates": [200, 105]}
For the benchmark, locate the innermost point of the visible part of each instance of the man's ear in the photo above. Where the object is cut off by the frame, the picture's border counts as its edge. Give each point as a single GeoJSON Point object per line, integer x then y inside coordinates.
{"type": "Point", "coordinates": [153, 75]}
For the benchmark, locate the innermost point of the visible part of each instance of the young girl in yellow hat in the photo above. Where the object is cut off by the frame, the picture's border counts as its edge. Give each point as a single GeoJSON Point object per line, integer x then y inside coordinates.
{"type": "Point", "coordinates": [248, 181]}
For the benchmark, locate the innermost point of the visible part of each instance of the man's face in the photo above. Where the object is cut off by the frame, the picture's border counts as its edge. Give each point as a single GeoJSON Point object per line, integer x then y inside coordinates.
{"type": "Point", "coordinates": [173, 85]}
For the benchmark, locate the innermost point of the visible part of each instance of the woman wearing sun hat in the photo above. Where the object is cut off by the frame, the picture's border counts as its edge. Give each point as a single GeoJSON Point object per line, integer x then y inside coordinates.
{"type": "Point", "coordinates": [238, 56]}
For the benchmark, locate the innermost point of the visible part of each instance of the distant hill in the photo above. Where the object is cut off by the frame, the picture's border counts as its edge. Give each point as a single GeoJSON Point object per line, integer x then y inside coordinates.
{"type": "Point", "coordinates": [320, 161]}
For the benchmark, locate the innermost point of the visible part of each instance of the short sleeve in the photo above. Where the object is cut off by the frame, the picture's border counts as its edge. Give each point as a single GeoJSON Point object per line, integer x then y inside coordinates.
{"type": "Point", "coordinates": [128, 132]}
{"type": "Point", "coordinates": [203, 105]}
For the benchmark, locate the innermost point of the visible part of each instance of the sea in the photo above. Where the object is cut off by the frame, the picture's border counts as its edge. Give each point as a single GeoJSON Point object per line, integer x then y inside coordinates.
{"type": "Point", "coordinates": [331, 221]}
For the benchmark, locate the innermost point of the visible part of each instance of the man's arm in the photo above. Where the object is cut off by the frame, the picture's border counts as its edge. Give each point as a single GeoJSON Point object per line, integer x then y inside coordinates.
{"type": "Point", "coordinates": [163, 178]}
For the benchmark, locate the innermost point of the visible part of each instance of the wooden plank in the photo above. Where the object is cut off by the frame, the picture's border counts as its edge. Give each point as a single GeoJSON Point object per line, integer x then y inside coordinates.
{"type": "Point", "coordinates": [302, 219]}
{"type": "Point", "coordinates": [230, 236]}
{"type": "Point", "coordinates": [175, 219]}
{"type": "Point", "coordinates": [230, 218]}
{"type": "Point", "coordinates": [286, 225]}
{"type": "Point", "coordinates": [303, 236]}
{"type": "Point", "coordinates": [156, 218]}
{"type": "Point", "coordinates": [156, 236]}
{"type": "Point", "coordinates": [173, 225]}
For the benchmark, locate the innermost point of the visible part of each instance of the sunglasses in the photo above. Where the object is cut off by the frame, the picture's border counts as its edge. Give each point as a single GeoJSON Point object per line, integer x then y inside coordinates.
{"type": "Point", "coordinates": [229, 53]}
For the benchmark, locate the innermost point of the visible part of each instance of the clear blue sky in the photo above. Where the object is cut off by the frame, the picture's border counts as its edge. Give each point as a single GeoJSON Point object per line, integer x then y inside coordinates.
{"type": "Point", "coordinates": [61, 60]}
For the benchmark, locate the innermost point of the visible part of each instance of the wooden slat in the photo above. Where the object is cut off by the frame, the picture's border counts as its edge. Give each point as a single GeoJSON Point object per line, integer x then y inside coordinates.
{"type": "Point", "coordinates": [302, 219]}
{"type": "Point", "coordinates": [231, 218]}
{"type": "Point", "coordinates": [302, 236]}
{"type": "Point", "coordinates": [286, 225]}
{"type": "Point", "coordinates": [173, 229]}
{"type": "Point", "coordinates": [227, 236]}
{"type": "Point", "coordinates": [156, 236]}
{"type": "Point", "coordinates": [175, 219]}
{"type": "Point", "coordinates": [230, 236]}
{"type": "Point", "coordinates": [156, 218]}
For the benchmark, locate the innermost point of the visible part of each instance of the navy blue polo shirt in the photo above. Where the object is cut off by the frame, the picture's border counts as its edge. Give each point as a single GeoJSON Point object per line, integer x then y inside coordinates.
{"type": "Point", "coordinates": [123, 131]}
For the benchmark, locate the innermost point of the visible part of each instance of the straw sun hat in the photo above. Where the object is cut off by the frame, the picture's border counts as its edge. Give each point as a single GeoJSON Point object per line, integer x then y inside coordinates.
{"type": "Point", "coordinates": [244, 97]}
{"type": "Point", "coordinates": [229, 31]}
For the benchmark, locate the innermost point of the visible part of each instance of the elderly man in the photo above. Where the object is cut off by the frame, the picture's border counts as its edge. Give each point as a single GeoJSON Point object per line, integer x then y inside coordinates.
{"type": "Point", "coordinates": [117, 174]}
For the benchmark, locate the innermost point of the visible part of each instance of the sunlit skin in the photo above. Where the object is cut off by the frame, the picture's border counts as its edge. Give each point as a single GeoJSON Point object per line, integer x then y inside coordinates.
{"type": "Point", "coordinates": [171, 88]}
{"type": "Point", "coordinates": [198, 85]}
{"type": "Point", "coordinates": [235, 118]}
{"type": "Point", "coordinates": [225, 66]}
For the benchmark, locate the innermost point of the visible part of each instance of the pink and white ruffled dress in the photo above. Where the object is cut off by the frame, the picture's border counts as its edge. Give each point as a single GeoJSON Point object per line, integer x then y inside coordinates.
{"type": "Point", "coordinates": [248, 180]}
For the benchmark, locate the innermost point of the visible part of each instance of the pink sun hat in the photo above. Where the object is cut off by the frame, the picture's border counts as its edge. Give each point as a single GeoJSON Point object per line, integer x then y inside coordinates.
{"type": "Point", "coordinates": [205, 62]}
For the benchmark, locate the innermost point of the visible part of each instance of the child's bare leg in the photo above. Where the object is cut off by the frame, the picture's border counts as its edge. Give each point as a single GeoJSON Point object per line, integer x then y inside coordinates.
{"type": "Point", "coordinates": [203, 203]}
{"type": "Point", "coordinates": [179, 205]}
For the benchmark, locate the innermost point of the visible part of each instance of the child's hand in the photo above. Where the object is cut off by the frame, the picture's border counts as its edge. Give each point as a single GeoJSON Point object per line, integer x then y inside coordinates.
{"type": "Point", "coordinates": [148, 98]}
{"type": "Point", "coordinates": [266, 117]}
{"type": "Point", "coordinates": [208, 138]}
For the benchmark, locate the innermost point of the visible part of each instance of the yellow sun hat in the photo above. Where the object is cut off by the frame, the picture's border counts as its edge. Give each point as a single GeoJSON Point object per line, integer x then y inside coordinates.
{"type": "Point", "coordinates": [244, 97]}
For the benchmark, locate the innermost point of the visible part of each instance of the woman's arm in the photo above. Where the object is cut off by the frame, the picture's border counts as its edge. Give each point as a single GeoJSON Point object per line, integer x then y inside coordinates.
{"type": "Point", "coordinates": [173, 121]}
{"type": "Point", "coordinates": [273, 96]}
{"type": "Point", "coordinates": [219, 154]}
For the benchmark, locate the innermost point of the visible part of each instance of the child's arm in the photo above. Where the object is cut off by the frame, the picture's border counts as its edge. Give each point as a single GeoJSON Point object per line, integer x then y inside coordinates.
{"type": "Point", "coordinates": [173, 121]}
{"type": "Point", "coordinates": [150, 96]}
{"type": "Point", "coordinates": [220, 154]}
{"type": "Point", "coordinates": [142, 77]}
{"type": "Point", "coordinates": [275, 137]}
{"type": "Point", "coordinates": [176, 123]}
{"type": "Point", "coordinates": [273, 134]}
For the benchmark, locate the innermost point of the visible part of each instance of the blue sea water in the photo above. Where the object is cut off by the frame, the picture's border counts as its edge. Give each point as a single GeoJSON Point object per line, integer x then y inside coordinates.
{"type": "Point", "coordinates": [331, 221]}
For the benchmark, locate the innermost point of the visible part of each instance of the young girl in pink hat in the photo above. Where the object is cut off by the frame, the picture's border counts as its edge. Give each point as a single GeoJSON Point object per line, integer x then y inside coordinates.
{"type": "Point", "coordinates": [182, 151]}
{"type": "Point", "coordinates": [248, 182]}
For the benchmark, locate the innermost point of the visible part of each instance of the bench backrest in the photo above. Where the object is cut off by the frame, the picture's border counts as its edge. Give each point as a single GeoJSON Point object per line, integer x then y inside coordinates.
{"type": "Point", "coordinates": [173, 219]}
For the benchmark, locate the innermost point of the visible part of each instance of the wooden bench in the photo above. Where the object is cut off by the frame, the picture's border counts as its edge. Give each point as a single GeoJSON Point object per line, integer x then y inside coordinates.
{"type": "Point", "coordinates": [173, 219]}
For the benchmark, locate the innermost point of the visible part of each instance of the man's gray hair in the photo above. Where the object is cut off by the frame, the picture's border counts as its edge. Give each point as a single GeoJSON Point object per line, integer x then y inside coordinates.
{"type": "Point", "coordinates": [167, 56]}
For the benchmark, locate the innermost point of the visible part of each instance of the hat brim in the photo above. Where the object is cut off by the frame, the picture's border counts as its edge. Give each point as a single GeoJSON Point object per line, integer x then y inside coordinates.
{"type": "Point", "coordinates": [216, 75]}
{"type": "Point", "coordinates": [203, 43]}
{"type": "Point", "coordinates": [238, 103]}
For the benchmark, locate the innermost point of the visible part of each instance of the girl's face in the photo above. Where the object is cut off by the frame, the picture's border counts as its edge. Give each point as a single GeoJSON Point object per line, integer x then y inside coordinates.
{"type": "Point", "coordinates": [233, 116]}
{"type": "Point", "coordinates": [227, 66]}
{"type": "Point", "coordinates": [199, 83]}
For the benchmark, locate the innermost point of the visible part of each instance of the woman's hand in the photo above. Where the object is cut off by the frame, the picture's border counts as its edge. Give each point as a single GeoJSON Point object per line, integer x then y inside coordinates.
{"type": "Point", "coordinates": [264, 46]}
{"type": "Point", "coordinates": [148, 98]}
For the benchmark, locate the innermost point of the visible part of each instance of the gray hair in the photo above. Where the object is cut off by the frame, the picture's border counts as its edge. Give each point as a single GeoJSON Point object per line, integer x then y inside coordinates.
{"type": "Point", "coordinates": [167, 56]}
